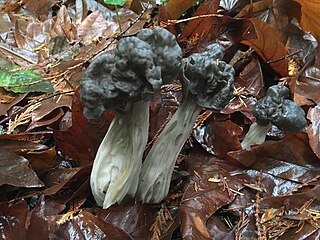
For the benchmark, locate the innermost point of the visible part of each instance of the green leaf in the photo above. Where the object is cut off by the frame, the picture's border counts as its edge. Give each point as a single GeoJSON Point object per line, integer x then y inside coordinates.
{"type": "Point", "coordinates": [23, 81]}
{"type": "Point", "coordinates": [115, 2]}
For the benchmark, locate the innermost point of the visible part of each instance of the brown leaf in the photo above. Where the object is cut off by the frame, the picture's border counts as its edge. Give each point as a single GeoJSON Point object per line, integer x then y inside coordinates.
{"type": "Point", "coordinates": [85, 225]}
{"type": "Point", "coordinates": [15, 171]}
{"type": "Point", "coordinates": [205, 194]}
{"type": "Point", "coordinates": [73, 224]}
{"type": "Point", "coordinates": [50, 104]}
{"type": "Point", "coordinates": [4, 107]}
{"type": "Point", "coordinates": [175, 8]}
{"type": "Point", "coordinates": [43, 160]}
{"type": "Point", "coordinates": [268, 46]}
{"type": "Point", "coordinates": [12, 5]}
{"type": "Point", "coordinates": [290, 158]}
{"type": "Point", "coordinates": [248, 87]}
{"type": "Point", "coordinates": [218, 137]}
{"type": "Point", "coordinates": [95, 26]}
{"type": "Point", "coordinates": [307, 89]}
{"type": "Point", "coordinates": [63, 179]}
{"type": "Point", "coordinates": [310, 17]}
{"type": "Point", "coordinates": [201, 27]}
{"type": "Point", "coordinates": [136, 220]}
{"type": "Point", "coordinates": [314, 129]}
{"type": "Point", "coordinates": [12, 220]}
{"type": "Point", "coordinates": [277, 14]}
{"type": "Point", "coordinates": [251, 79]}
{"type": "Point", "coordinates": [63, 25]}
{"type": "Point", "coordinates": [39, 7]}
{"type": "Point", "coordinates": [88, 134]}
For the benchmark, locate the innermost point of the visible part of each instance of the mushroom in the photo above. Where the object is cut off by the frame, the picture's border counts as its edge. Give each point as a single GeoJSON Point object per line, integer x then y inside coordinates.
{"type": "Point", "coordinates": [207, 83]}
{"type": "Point", "coordinates": [274, 109]}
{"type": "Point", "coordinates": [125, 82]}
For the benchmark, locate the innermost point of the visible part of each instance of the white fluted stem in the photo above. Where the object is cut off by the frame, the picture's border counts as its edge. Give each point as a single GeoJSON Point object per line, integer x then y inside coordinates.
{"type": "Point", "coordinates": [256, 135]}
{"type": "Point", "coordinates": [159, 164]}
{"type": "Point", "coordinates": [117, 165]}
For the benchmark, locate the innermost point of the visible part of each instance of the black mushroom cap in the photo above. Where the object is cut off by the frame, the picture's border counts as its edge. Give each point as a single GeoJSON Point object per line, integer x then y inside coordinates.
{"type": "Point", "coordinates": [209, 78]}
{"type": "Point", "coordinates": [168, 52]}
{"type": "Point", "coordinates": [276, 108]}
{"type": "Point", "coordinates": [135, 71]}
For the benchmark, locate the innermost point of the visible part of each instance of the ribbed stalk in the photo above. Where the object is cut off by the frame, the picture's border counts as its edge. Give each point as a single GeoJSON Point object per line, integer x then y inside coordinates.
{"type": "Point", "coordinates": [117, 165]}
{"type": "Point", "coordinates": [256, 135]}
{"type": "Point", "coordinates": [158, 166]}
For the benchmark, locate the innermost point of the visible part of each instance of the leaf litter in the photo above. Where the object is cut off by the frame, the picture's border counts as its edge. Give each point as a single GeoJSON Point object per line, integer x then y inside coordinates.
{"type": "Point", "coordinates": [218, 190]}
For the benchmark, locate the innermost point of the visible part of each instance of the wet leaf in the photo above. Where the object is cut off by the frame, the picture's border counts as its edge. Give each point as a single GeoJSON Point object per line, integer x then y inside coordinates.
{"type": "Point", "coordinates": [251, 79]}
{"type": "Point", "coordinates": [136, 220]}
{"type": "Point", "coordinates": [228, 4]}
{"type": "Point", "coordinates": [290, 158]}
{"type": "Point", "coordinates": [218, 137]}
{"type": "Point", "coordinates": [49, 120]}
{"type": "Point", "coordinates": [12, 220]}
{"type": "Point", "coordinates": [307, 90]}
{"type": "Point", "coordinates": [50, 104]}
{"type": "Point", "coordinates": [269, 47]}
{"type": "Point", "coordinates": [23, 81]}
{"type": "Point", "coordinates": [43, 160]}
{"type": "Point", "coordinates": [202, 198]}
{"type": "Point", "coordinates": [88, 135]}
{"type": "Point", "coordinates": [63, 179]}
{"type": "Point", "coordinates": [314, 129]}
{"type": "Point", "coordinates": [5, 107]}
{"type": "Point", "coordinates": [15, 171]}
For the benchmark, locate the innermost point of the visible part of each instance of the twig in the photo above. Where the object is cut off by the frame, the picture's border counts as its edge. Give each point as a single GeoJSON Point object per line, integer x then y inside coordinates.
{"type": "Point", "coordinates": [16, 54]}
{"type": "Point", "coordinates": [261, 230]}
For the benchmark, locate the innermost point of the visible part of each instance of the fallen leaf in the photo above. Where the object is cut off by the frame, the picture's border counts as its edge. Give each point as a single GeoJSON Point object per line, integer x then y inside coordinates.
{"type": "Point", "coordinates": [88, 134]}
{"type": "Point", "coordinates": [218, 137]}
{"type": "Point", "coordinates": [202, 198]}
{"type": "Point", "coordinates": [307, 89]}
{"type": "Point", "coordinates": [12, 220]}
{"type": "Point", "coordinates": [136, 220]}
{"type": "Point", "coordinates": [290, 158]}
{"type": "Point", "coordinates": [95, 26]}
{"type": "Point", "coordinates": [313, 130]}
{"type": "Point", "coordinates": [309, 17]}
{"type": "Point", "coordinates": [176, 8]}
{"type": "Point", "coordinates": [269, 47]}
{"type": "Point", "coordinates": [15, 171]}
{"type": "Point", "coordinates": [203, 26]}
{"type": "Point", "coordinates": [48, 121]}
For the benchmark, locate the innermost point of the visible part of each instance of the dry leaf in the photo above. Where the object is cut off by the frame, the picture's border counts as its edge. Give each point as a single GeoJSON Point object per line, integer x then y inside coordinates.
{"type": "Point", "coordinates": [269, 46]}
{"type": "Point", "coordinates": [310, 20]}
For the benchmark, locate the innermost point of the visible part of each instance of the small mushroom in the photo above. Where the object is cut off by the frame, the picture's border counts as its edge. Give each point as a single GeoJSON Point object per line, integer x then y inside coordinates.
{"type": "Point", "coordinates": [274, 109]}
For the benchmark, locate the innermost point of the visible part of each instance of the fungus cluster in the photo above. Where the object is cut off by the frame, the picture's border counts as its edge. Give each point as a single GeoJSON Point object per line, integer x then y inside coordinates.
{"type": "Point", "coordinates": [125, 82]}
{"type": "Point", "coordinates": [274, 109]}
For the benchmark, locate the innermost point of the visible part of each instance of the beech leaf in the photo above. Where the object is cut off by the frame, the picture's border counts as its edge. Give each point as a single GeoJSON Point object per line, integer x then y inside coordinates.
{"type": "Point", "coordinates": [268, 46]}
